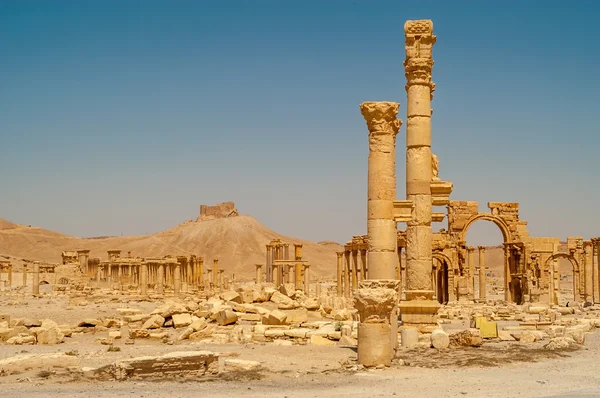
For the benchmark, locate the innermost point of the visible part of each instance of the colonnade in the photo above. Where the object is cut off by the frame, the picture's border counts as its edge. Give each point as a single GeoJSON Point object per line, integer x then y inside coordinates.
{"type": "Point", "coordinates": [280, 268]}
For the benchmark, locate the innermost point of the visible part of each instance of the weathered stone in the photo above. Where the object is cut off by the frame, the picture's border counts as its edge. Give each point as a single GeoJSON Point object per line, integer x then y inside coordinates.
{"type": "Point", "coordinates": [231, 296]}
{"type": "Point", "coordinates": [138, 334]}
{"type": "Point", "coordinates": [226, 317]}
{"type": "Point", "coordinates": [37, 363]}
{"type": "Point", "coordinates": [560, 343]}
{"type": "Point", "coordinates": [409, 337]}
{"type": "Point", "coordinates": [89, 323]}
{"type": "Point", "coordinates": [321, 341]}
{"type": "Point", "coordinates": [466, 338]}
{"type": "Point", "coordinates": [275, 317]}
{"type": "Point", "coordinates": [240, 365]}
{"type": "Point", "coordinates": [347, 341]}
{"type": "Point", "coordinates": [440, 339]}
{"type": "Point", "coordinates": [186, 364]}
{"type": "Point", "coordinates": [181, 320]}
{"type": "Point", "coordinates": [299, 315]}
{"type": "Point", "coordinates": [279, 298]}
{"type": "Point", "coordinates": [156, 321]}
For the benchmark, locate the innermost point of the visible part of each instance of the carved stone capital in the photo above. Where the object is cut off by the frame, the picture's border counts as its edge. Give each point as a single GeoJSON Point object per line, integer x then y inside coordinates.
{"type": "Point", "coordinates": [381, 117]}
{"type": "Point", "coordinates": [376, 299]}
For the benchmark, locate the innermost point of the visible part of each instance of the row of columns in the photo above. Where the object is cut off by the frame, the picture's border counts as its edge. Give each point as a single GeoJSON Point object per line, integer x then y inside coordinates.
{"type": "Point", "coordinates": [284, 270]}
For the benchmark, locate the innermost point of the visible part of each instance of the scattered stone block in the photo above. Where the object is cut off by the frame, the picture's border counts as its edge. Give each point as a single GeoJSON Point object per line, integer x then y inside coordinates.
{"type": "Point", "coordinates": [275, 317]}
{"type": "Point", "coordinates": [232, 296]}
{"type": "Point", "coordinates": [409, 337]}
{"type": "Point", "coordinates": [181, 320]}
{"type": "Point", "coordinates": [175, 364]}
{"type": "Point", "coordinates": [240, 365]}
{"type": "Point", "coordinates": [37, 362]}
{"type": "Point", "coordinates": [226, 317]}
{"type": "Point", "coordinates": [156, 321]}
{"type": "Point", "coordinates": [466, 338]}
{"type": "Point", "coordinates": [321, 341]}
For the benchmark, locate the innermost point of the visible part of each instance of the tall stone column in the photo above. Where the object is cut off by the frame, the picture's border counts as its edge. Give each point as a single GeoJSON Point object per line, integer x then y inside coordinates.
{"type": "Point", "coordinates": [419, 307]}
{"type": "Point", "coordinates": [381, 228]}
{"type": "Point", "coordinates": [354, 270]}
{"type": "Point", "coordinates": [144, 279]}
{"type": "Point", "coordinates": [160, 283]}
{"type": "Point", "coordinates": [595, 279]}
{"type": "Point", "coordinates": [209, 279]}
{"type": "Point", "coordinates": [200, 282]}
{"type": "Point", "coordinates": [287, 251]}
{"type": "Point", "coordinates": [177, 280]}
{"type": "Point", "coordinates": [215, 272]}
{"type": "Point", "coordinates": [507, 294]}
{"type": "Point", "coordinates": [258, 274]}
{"type": "Point", "coordinates": [340, 272]}
{"type": "Point", "coordinates": [347, 276]}
{"type": "Point", "coordinates": [276, 275]}
{"type": "Point", "coordinates": [268, 265]}
{"type": "Point", "coordinates": [299, 282]}
{"type": "Point", "coordinates": [9, 270]}
{"type": "Point", "coordinates": [36, 278]}
{"type": "Point", "coordinates": [221, 279]}
{"type": "Point", "coordinates": [376, 298]}
{"type": "Point", "coordinates": [24, 275]}
{"type": "Point", "coordinates": [399, 267]}
{"type": "Point", "coordinates": [471, 268]}
{"type": "Point", "coordinates": [363, 263]}
{"type": "Point", "coordinates": [306, 279]}
{"type": "Point", "coordinates": [84, 256]}
{"type": "Point", "coordinates": [482, 278]}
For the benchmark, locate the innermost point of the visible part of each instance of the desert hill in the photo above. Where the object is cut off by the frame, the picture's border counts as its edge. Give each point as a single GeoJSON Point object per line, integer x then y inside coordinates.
{"type": "Point", "coordinates": [238, 242]}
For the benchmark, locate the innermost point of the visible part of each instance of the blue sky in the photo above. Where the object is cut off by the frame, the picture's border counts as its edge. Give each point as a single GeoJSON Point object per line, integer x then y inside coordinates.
{"type": "Point", "coordinates": [122, 117]}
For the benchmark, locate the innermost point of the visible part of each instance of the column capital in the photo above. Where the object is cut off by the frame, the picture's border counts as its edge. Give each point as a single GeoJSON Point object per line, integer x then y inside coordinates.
{"type": "Point", "coordinates": [340, 254]}
{"type": "Point", "coordinates": [381, 117]}
{"type": "Point", "coordinates": [419, 41]}
{"type": "Point", "coordinates": [470, 248]}
{"type": "Point", "coordinates": [481, 248]}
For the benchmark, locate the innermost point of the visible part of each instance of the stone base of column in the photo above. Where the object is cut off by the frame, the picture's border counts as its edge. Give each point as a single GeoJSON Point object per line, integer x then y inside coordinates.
{"type": "Point", "coordinates": [377, 304]}
{"type": "Point", "coordinates": [419, 312]}
{"type": "Point", "coordinates": [374, 344]}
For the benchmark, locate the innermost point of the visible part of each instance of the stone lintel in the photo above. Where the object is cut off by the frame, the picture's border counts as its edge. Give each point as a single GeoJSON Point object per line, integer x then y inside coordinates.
{"type": "Point", "coordinates": [440, 192]}
{"type": "Point", "coordinates": [437, 217]}
{"type": "Point", "coordinates": [403, 210]}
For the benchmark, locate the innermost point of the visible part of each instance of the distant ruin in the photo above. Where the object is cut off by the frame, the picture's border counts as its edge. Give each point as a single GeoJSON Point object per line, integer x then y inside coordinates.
{"type": "Point", "coordinates": [220, 210]}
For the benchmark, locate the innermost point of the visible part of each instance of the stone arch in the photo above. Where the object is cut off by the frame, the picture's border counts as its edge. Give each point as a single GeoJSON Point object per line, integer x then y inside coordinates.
{"type": "Point", "coordinates": [500, 223]}
{"type": "Point", "coordinates": [575, 265]}
{"type": "Point", "coordinates": [441, 257]}
{"type": "Point", "coordinates": [440, 277]}
{"type": "Point", "coordinates": [42, 282]}
{"type": "Point", "coordinates": [567, 256]}
{"type": "Point", "coordinates": [63, 281]}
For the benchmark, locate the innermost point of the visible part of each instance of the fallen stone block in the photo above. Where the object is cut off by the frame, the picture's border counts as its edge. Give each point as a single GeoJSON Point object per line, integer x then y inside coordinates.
{"type": "Point", "coordinates": [240, 365]}
{"type": "Point", "coordinates": [175, 364]}
{"type": "Point", "coordinates": [279, 298]}
{"type": "Point", "coordinates": [181, 320]}
{"type": "Point", "coordinates": [560, 343]}
{"type": "Point", "coordinates": [89, 323]}
{"type": "Point", "coordinates": [226, 317]}
{"type": "Point", "coordinates": [466, 338]}
{"type": "Point", "coordinates": [275, 317]}
{"type": "Point", "coordinates": [348, 341]}
{"type": "Point", "coordinates": [231, 296]}
{"type": "Point", "coordinates": [409, 337]}
{"type": "Point", "coordinates": [156, 321]}
{"type": "Point", "coordinates": [21, 340]}
{"type": "Point", "coordinates": [37, 362]}
{"type": "Point", "coordinates": [505, 336]}
{"type": "Point", "coordinates": [321, 341]}
{"type": "Point", "coordinates": [299, 315]}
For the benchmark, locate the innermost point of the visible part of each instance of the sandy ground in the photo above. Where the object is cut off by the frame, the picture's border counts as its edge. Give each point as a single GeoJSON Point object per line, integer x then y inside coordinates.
{"type": "Point", "coordinates": [494, 370]}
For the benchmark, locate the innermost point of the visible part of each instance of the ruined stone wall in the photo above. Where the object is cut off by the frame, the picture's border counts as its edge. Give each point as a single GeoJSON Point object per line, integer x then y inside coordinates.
{"type": "Point", "coordinates": [221, 210]}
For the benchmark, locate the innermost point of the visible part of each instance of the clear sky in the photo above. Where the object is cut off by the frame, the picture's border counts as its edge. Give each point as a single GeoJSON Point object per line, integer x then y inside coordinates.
{"type": "Point", "coordinates": [122, 117]}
